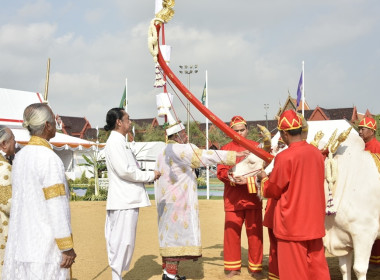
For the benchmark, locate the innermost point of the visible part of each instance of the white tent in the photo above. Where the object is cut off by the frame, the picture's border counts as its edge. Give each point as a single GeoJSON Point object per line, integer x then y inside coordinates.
{"type": "Point", "coordinates": [13, 103]}
{"type": "Point", "coordinates": [146, 153]}
{"type": "Point", "coordinates": [68, 148]}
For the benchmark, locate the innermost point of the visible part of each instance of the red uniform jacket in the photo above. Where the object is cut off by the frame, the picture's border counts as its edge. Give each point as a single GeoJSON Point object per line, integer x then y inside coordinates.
{"type": "Point", "coordinates": [236, 197]}
{"type": "Point", "coordinates": [297, 181]}
{"type": "Point", "coordinates": [373, 146]}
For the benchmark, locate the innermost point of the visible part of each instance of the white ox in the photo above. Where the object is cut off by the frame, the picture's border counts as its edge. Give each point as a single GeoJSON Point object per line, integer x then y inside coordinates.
{"type": "Point", "coordinates": [356, 224]}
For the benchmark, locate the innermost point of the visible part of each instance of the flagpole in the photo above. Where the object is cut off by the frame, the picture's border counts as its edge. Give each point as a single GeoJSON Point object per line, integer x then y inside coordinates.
{"type": "Point", "coordinates": [303, 88]}
{"type": "Point", "coordinates": [207, 167]}
{"type": "Point", "coordinates": [126, 101]}
{"type": "Point", "coordinates": [126, 95]}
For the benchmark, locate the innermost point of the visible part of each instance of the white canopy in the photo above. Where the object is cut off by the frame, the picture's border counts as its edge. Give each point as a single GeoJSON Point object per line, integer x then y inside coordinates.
{"type": "Point", "coordinates": [59, 142]}
{"type": "Point", "coordinates": [13, 103]}
{"type": "Point", "coordinates": [12, 106]}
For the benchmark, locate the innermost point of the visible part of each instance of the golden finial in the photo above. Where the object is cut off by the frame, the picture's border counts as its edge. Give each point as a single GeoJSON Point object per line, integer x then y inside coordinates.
{"type": "Point", "coordinates": [317, 137]}
{"type": "Point", "coordinates": [166, 13]}
{"type": "Point", "coordinates": [332, 137]}
{"type": "Point", "coordinates": [342, 137]}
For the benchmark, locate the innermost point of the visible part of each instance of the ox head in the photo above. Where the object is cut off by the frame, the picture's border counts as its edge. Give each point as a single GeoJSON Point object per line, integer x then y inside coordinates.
{"type": "Point", "coordinates": [248, 167]}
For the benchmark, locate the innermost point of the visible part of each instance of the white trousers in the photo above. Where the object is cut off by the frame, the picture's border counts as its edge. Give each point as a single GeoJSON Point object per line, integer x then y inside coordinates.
{"type": "Point", "coordinates": [120, 233]}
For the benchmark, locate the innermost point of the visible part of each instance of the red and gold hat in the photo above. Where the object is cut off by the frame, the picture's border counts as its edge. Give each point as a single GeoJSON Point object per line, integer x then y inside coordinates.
{"type": "Point", "coordinates": [289, 120]}
{"type": "Point", "coordinates": [237, 120]}
{"type": "Point", "coordinates": [368, 123]}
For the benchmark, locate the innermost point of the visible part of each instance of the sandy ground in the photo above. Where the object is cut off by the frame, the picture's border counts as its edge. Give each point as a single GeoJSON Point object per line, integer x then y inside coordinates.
{"type": "Point", "coordinates": [91, 263]}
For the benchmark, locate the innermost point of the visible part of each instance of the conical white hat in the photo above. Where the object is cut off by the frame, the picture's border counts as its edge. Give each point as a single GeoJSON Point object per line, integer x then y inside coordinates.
{"type": "Point", "coordinates": [174, 126]}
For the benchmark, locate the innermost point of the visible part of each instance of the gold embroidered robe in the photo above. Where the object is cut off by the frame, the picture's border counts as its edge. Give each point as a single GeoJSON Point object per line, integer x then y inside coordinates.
{"type": "Point", "coordinates": [177, 199]}
{"type": "Point", "coordinates": [5, 204]}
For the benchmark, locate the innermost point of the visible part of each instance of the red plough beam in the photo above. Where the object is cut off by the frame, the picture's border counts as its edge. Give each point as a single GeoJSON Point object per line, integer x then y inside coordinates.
{"type": "Point", "coordinates": [207, 113]}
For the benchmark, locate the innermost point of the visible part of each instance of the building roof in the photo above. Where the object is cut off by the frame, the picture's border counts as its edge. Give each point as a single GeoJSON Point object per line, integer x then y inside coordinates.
{"type": "Point", "coordinates": [145, 122]}
{"type": "Point", "coordinates": [73, 124]}
{"type": "Point", "coordinates": [320, 113]}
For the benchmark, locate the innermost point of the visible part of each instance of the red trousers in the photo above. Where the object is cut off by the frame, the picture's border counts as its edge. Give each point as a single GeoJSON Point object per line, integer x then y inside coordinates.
{"type": "Point", "coordinates": [375, 253]}
{"type": "Point", "coordinates": [302, 260]}
{"type": "Point", "coordinates": [273, 260]}
{"type": "Point", "coordinates": [232, 239]}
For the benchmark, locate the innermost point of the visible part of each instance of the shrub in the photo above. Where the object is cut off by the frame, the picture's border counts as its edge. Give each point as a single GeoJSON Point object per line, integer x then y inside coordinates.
{"type": "Point", "coordinates": [83, 178]}
{"type": "Point", "coordinates": [91, 181]}
{"type": "Point", "coordinates": [201, 181]}
{"type": "Point", "coordinates": [90, 194]}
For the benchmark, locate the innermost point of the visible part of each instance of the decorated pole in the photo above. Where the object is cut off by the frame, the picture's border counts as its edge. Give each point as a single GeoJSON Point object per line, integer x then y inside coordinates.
{"type": "Point", "coordinates": [207, 113]}
{"type": "Point", "coordinates": [47, 81]}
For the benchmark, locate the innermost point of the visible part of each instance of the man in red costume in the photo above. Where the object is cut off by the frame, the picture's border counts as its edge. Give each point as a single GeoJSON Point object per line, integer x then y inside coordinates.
{"type": "Point", "coordinates": [297, 183]}
{"type": "Point", "coordinates": [367, 131]}
{"type": "Point", "coordinates": [241, 205]}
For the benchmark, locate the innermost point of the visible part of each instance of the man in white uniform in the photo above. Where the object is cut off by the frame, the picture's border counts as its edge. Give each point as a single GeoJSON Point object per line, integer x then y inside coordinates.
{"type": "Point", "coordinates": [40, 244]}
{"type": "Point", "coordinates": [177, 198]}
{"type": "Point", "coordinates": [126, 193]}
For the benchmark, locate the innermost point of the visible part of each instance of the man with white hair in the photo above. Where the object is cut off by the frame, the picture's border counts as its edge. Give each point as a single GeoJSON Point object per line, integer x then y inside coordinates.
{"type": "Point", "coordinates": [40, 244]}
{"type": "Point", "coordinates": [7, 151]}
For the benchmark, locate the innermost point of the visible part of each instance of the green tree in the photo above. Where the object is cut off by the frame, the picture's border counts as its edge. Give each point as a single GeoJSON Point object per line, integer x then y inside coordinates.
{"type": "Point", "coordinates": [103, 135]}
{"type": "Point", "coordinates": [377, 118]}
{"type": "Point", "coordinates": [154, 134]}
{"type": "Point", "coordinates": [215, 135]}
{"type": "Point", "coordinates": [97, 164]}
{"type": "Point", "coordinates": [197, 136]}
{"type": "Point", "coordinates": [254, 134]}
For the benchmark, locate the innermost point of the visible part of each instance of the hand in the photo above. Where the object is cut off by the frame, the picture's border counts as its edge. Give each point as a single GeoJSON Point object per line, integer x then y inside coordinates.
{"type": "Point", "coordinates": [261, 175]}
{"type": "Point", "coordinates": [242, 154]}
{"type": "Point", "coordinates": [240, 180]}
{"type": "Point", "coordinates": [68, 258]}
{"type": "Point", "coordinates": [157, 174]}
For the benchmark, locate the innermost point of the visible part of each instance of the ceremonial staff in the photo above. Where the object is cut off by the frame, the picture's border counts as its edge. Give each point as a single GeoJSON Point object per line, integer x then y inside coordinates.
{"type": "Point", "coordinates": [47, 82]}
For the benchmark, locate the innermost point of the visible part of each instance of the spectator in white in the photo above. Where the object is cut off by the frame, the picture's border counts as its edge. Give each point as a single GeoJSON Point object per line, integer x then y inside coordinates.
{"type": "Point", "coordinates": [7, 151]}
{"type": "Point", "coordinates": [126, 193]}
{"type": "Point", "coordinates": [40, 244]}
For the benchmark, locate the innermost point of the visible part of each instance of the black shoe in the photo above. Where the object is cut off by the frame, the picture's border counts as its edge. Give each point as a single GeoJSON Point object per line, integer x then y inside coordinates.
{"type": "Point", "coordinates": [177, 277]}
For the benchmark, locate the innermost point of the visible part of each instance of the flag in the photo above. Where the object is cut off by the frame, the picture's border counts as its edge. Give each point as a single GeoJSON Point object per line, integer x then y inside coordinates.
{"type": "Point", "coordinates": [299, 90]}
{"type": "Point", "coordinates": [203, 98]}
{"type": "Point", "coordinates": [123, 101]}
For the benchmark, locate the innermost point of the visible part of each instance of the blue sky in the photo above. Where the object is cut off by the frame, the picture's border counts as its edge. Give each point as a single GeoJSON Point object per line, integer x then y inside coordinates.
{"type": "Point", "coordinates": [253, 52]}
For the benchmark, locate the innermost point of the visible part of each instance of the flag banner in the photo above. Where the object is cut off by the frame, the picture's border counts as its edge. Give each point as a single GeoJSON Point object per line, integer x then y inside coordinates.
{"type": "Point", "coordinates": [203, 98]}
{"type": "Point", "coordinates": [123, 101]}
{"type": "Point", "coordinates": [299, 90]}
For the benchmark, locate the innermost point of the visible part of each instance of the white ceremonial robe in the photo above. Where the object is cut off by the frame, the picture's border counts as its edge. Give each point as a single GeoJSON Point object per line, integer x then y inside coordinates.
{"type": "Point", "coordinates": [39, 224]}
{"type": "Point", "coordinates": [126, 188]}
{"type": "Point", "coordinates": [5, 204]}
{"type": "Point", "coordinates": [177, 198]}
{"type": "Point", "coordinates": [126, 194]}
